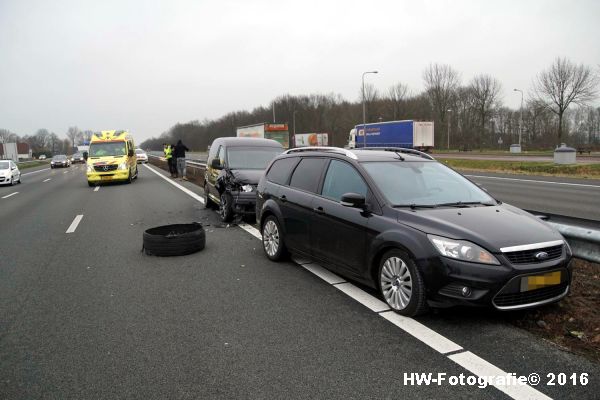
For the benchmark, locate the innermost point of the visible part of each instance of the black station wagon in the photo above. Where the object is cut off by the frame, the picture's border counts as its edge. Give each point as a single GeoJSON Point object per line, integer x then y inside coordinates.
{"type": "Point", "coordinates": [419, 232]}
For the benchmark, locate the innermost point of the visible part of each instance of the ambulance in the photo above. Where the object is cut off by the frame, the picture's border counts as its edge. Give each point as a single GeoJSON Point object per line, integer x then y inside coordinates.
{"type": "Point", "coordinates": [111, 158]}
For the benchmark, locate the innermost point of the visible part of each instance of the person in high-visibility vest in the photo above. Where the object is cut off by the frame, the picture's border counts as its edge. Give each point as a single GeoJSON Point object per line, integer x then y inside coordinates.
{"type": "Point", "coordinates": [169, 156]}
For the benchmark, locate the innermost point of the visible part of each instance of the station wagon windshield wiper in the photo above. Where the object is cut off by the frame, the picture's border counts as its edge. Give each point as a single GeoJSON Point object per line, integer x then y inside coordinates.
{"type": "Point", "coordinates": [465, 204]}
{"type": "Point", "coordinates": [413, 206]}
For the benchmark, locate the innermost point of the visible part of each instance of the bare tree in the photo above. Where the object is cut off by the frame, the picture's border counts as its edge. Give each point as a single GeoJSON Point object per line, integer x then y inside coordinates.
{"type": "Point", "coordinates": [565, 83]}
{"type": "Point", "coordinates": [397, 94]}
{"type": "Point", "coordinates": [441, 82]}
{"type": "Point", "coordinates": [7, 136]}
{"type": "Point", "coordinates": [486, 94]}
{"type": "Point", "coordinates": [371, 95]}
{"type": "Point", "coordinates": [73, 133]}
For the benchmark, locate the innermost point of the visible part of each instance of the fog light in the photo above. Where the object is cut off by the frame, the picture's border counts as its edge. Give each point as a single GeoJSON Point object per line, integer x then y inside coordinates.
{"type": "Point", "coordinates": [466, 291]}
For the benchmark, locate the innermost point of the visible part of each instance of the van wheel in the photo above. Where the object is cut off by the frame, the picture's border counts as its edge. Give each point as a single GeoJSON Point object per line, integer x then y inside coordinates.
{"type": "Point", "coordinates": [272, 238]}
{"type": "Point", "coordinates": [129, 177]}
{"type": "Point", "coordinates": [226, 207]}
{"type": "Point", "coordinates": [91, 184]}
{"type": "Point", "coordinates": [401, 284]}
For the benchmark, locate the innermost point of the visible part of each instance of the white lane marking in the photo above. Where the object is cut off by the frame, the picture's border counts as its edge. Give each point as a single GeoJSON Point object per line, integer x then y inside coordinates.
{"type": "Point", "coordinates": [65, 172]}
{"type": "Point", "coordinates": [426, 335]}
{"type": "Point", "coordinates": [46, 180]}
{"type": "Point", "coordinates": [8, 195]}
{"type": "Point", "coordinates": [371, 302]}
{"type": "Point", "coordinates": [96, 188]}
{"type": "Point", "coordinates": [438, 342]}
{"type": "Point", "coordinates": [177, 185]}
{"type": "Point", "coordinates": [35, 172]}
{"type": "Point", "coordinates": [251, 230]}
{"type": "Point", "coordinates": [74, 224]}
{"type": "Point", "coordinates": [533, 181]}
{"type": "Point", "coordinates": [324, 274]}
{"type": "Point", "coordinates": [479, 366]}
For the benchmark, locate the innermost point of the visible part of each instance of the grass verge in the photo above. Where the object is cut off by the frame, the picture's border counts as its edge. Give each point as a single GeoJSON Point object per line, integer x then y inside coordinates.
{"type": "Point", "coordinates": [31, 164]}
{"type": "Point", "coordinates": [590, 171]}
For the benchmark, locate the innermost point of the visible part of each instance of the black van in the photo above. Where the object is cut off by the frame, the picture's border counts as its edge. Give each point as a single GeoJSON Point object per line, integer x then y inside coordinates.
{"type": "Point", "coordinates": [233, 168]}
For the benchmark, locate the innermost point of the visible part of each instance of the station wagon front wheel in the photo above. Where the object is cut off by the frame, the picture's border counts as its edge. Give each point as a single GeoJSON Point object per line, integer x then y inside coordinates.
{"type": "Point", "coordinates": [401, 284]}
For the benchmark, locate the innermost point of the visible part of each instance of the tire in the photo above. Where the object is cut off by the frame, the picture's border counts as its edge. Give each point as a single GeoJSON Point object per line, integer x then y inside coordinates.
{"type": "Point", "coordinates": [129, 178]}
{"type": "Point", "coordinates": [91, 184]}
{"type": "Point", "coordinates": [174, 240]}
{"type": "Point", "coordinates": [226, 207]}
{"type": "Point", "coordinates": [272, 239]}
{"type": "Point", "coordinates": [208, 203]}
{"type": "Point", "coordinates": [12, 181]}
{"type": "Point", "coordinates": [401, 285]}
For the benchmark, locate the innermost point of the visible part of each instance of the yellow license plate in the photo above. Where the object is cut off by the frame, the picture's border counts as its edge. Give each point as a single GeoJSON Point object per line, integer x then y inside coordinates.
{"type": "Point", "coordinates": [539, 281]}
{"type": "Point", "coordinates": [106, 178]}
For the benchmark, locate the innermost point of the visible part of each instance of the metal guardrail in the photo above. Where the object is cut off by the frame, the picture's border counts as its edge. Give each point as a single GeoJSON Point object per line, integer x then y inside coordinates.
{"type": "Point", "coordinates": [584, 241]}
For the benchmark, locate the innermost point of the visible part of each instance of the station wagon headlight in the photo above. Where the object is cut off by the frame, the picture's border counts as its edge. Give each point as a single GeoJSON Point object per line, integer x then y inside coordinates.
{"type": "Point", "coordinates": [123, 165]}
{"type": "Point", "coordinates": [247, 188]}
{"type": "Point", "coordinates": [462, 250]}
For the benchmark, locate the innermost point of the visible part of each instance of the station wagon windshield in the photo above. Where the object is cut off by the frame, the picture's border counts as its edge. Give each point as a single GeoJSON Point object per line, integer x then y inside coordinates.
{"type": "Point", "coordinates": [251, 157]}
{"type": "Point", "coordinates": [107, 149]}
{"type": "Point", "coordinates": [424, 184]}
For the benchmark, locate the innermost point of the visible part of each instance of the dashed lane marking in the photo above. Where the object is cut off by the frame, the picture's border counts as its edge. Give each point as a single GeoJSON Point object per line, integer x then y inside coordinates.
{"type": "Point", "coordinates": [74, 224]}
{"type": "Point", "coordinates": [9, 195]}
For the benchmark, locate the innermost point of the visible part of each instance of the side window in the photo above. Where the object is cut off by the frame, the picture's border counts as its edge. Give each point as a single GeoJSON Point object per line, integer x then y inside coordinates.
{"type": "Point", "coordinates": [342, 178]}
{"type": "Point", "coordinates": [280, 170]}
{"type": "Point", "coordinates": [307, 173]}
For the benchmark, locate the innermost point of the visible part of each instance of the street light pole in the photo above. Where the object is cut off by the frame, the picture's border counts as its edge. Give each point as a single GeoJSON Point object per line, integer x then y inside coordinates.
{"type": "Point", "coordinates": [449, 111]}
{"type": "Point", "coordinates": [521, 123]}
{"type": "Point", "coordinates": [364, 110]}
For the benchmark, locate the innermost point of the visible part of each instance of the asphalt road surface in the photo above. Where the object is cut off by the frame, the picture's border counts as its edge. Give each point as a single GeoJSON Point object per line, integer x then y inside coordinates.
{"type": "Point", "coordinates": [579, 198]}
{"type": "Point", "coordinates": [86, 315]}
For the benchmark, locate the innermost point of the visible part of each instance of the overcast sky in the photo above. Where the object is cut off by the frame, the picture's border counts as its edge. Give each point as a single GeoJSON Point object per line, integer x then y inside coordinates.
{"type": "Point", "coordinates": [145, 65]}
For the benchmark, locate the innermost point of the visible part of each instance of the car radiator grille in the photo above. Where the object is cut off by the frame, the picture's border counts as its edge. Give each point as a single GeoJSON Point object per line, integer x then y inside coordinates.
{"type": "Point", "coordinates": [532, 296]}
{"type": "Point", "coordinates": [528, 256]}
{"type": "Point", "coordinates": [105, 168]}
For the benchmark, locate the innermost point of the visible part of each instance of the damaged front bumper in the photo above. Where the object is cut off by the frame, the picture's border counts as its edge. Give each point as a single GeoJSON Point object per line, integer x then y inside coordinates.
{"type": "Point", "coordinates": [244, 203]}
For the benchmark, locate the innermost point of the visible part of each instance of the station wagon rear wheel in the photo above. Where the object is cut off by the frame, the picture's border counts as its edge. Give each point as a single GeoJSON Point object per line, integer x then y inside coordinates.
{"type": "Point", "coordinates": [272, 239]}
{"type": "Point", "coordinates": [401, 284]}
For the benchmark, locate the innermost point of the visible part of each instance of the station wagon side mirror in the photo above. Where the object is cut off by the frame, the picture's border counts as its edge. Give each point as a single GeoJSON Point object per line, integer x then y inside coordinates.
{"type": "Point", "coordinates": [353, 200]}
{"type": "Point", "coordinates": [216, 164]}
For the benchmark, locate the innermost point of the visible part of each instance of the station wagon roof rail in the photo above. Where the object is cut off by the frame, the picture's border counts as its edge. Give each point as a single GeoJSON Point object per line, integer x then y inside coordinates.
{"type": "Point", "coordinates": [400, 150]}
{"type": "Point", "coordinates": [337, 150]}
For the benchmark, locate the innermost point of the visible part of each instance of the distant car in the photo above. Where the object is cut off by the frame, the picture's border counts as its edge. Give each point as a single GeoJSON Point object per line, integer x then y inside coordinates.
{"type": "Point", "coordinates": [233, 169]}
{"type": "Point", "coordinates": [60, 161]}
{"type": "Point", "coordinates": [77, 158]}
{"type": "Point", "coordinates": [9, 173]}
{"type": "Point", "coordinates": [42, 157]}
{"type": "Point", "coordinates": [141, 156]}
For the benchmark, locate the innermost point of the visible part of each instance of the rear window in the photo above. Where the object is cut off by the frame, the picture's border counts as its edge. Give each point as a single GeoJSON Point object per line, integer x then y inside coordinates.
{"type": "Point", "coordinates": [307, 174]}
{"type": "Point", "coordinates": [281, 169]}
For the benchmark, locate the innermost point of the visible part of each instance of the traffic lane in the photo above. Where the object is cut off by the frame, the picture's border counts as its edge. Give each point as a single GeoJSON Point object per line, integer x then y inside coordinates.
{"type": "Point", "coordinates": [573, 201]}
{"type": "Point", "coordinates": [33, 226]}
{"type": "Point", "coordinates": [108, 321]}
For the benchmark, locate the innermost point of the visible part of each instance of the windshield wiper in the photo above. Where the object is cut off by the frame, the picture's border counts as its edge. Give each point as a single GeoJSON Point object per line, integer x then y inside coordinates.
{"type": "Point", "coordinates": [414, 206]}
{"type": "Point", "coordinates": [465, 204]}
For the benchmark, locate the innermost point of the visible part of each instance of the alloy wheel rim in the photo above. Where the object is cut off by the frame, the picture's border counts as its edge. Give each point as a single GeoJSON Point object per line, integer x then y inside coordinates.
{"type": "Point", "coordinates": [396, 283]}
{"type": "Point", "coordinates": [271, 238]}
{"type": "Point", "coordinates": [223, 206]}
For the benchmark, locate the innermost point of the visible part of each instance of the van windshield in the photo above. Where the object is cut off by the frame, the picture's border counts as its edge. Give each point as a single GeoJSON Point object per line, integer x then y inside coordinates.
{"type": "Point", "coordinates": [424, 184]}
{"type": "Point", "coordinates": [107, 149]}
{"type": "Point", "coordinates": [251, 157]}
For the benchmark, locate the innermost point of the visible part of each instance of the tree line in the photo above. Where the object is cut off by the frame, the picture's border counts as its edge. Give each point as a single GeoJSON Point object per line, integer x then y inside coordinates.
{"type": "Point", "coordinates": [49, 143]}
{"type": "Point", "coordinates": [555, 109]}
{"type": "Point", "coordinates": [472, 115]}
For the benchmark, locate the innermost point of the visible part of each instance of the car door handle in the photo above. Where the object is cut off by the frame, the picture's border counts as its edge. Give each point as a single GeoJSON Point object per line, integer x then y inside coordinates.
{"type": "Point", "coordinates": [283, 198]}
{"type": "Point", "coordinates": [319, 210]}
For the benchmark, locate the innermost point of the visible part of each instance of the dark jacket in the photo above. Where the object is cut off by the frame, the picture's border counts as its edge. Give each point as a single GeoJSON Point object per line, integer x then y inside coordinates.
{"type": "Point", "coordinates": [180, 150]}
